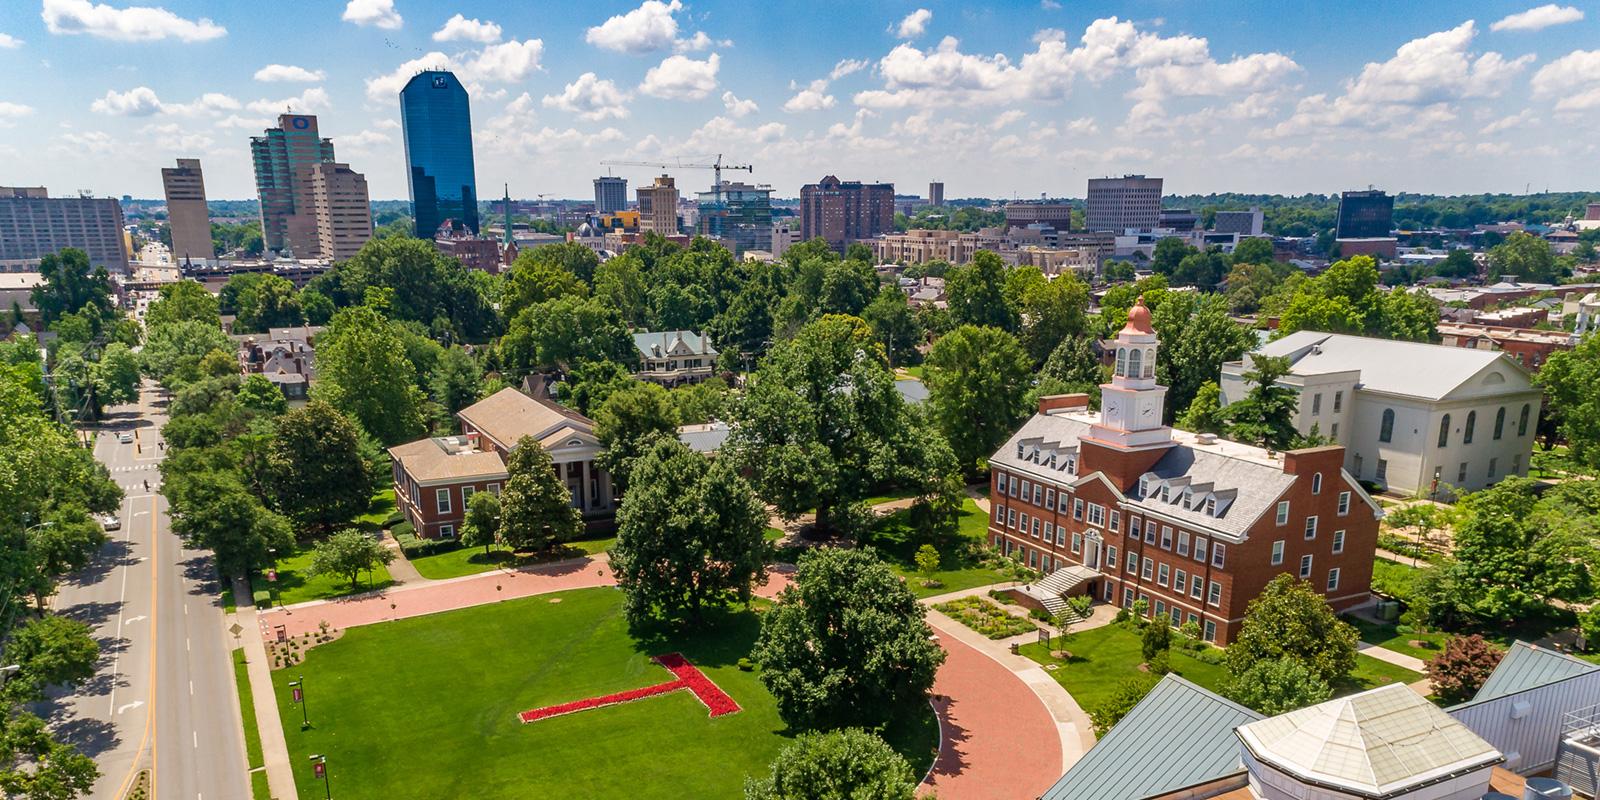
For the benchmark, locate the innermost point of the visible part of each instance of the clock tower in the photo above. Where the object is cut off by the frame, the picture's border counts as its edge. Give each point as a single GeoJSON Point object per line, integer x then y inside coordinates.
{"type": "Point", "coordinates": [1131, 405]}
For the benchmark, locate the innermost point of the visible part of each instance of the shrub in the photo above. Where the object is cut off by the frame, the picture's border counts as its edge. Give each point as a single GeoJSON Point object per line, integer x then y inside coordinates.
{"type": "Point", "coordinates": [394, 518]}
{"type": "Point", "coordinates": [1461, 668]}
{"type": "Point", "coordinates": [746, 664]}
{"type": "Point", "coordinates": [1589, 624]}
{"type": "Point", "coordinates": [416, 547]}
{"type": "Point", "coordinates": [1159, 664]}
{"type": "Point", "coordinates": [1156, 641]}
{"type": "Point", "coordinates": [1080, 604]}
{"type": "Point", "coordinates": [1276, 686]}
{"type": "Point", "coordinates": [263, 598]}
{"type": "Point", "coordinates": [1117, 706]}
{"type": "Point", "coordinates": [1190, 631]}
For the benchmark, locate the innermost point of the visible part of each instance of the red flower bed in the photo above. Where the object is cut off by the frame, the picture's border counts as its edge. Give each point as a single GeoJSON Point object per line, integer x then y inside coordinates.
{"type": "Point", "coordinates": [687, 675]}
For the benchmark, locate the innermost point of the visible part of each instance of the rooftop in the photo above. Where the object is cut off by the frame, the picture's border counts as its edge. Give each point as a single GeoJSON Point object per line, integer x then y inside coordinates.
{"type": "Point", "coordinates": [1527, 666]}
{"type": "Point", "coordinates": [446, 458]}
{"type": "Point", "coordinates": [508, 415]}
{"type": "Point", "coordinates": [1412, 369]}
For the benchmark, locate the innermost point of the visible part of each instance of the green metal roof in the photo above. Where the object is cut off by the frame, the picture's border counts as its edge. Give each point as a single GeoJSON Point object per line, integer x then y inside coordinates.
{"type": "Point", "coordinates": [1528, 666]}
{"type": "Point", "coordinates": [1179, 735]}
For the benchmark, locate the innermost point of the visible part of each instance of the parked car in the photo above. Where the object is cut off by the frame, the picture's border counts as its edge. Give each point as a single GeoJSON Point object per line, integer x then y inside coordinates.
{"type": "Point", "coordinates": [111, 522]}
{"type": "Point", "coordinates": [125, 437]}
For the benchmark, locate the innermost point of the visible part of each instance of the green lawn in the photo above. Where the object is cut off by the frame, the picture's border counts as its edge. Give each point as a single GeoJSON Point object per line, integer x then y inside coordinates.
{"type": "Point", "coordinates": [890, 496]}
{"type": "Point", "coordinates": [382, 506]}
{"type": "Point", "coordinates": [247, 709]}
{"type": "Point", "coordinates": [959, 567]}
{"type": "Point", "coordinates": [426, 707]}
{"type": "Point", "coordinates": [1384, 634]}
{"type": "Point", "coordinates": [295, 586]}
{"type": "Point", "coordinates": [1371, 673]}
{"type": "Point", "coordinates": [1395, 579]}
{"type": "Point", "coordinates": [472, 560]}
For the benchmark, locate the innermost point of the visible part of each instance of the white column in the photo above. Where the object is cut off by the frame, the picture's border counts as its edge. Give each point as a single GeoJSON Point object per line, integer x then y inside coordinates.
{"type": "Point", "coordinates": [588, 502]}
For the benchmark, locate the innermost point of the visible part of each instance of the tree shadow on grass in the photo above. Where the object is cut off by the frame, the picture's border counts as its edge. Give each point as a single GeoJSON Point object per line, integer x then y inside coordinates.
{"type": "Point", "coordinates": [726, 634]}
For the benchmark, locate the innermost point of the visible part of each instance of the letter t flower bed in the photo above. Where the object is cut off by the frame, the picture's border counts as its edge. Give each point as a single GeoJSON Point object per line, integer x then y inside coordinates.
{"type": "Point", "coordinates": [686, 676]}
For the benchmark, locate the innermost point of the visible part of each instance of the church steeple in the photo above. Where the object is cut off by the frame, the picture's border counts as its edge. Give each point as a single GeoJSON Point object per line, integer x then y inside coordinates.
{"type": "Point", "coordinates": [1132, 404]}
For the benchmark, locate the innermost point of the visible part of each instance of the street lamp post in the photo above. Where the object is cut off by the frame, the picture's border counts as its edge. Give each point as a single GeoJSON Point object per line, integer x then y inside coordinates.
{"type": "Point", "coordinates": [319, 768]}
{"type": "Point", "coordinates": [298, 687]}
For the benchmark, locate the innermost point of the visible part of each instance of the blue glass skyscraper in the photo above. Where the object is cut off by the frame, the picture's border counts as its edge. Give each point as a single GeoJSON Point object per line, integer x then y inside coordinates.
{"type": "Point", "coordinates": [437, 124]}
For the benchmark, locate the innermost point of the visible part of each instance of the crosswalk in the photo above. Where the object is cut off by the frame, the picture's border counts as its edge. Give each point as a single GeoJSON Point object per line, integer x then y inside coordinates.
{"type": "Point", "coordinates": [132, 469]}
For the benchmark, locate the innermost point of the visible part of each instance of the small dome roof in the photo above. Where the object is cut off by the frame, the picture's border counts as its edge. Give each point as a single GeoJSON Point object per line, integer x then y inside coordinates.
{"type": "Point", "coordinates": [1138, 318]}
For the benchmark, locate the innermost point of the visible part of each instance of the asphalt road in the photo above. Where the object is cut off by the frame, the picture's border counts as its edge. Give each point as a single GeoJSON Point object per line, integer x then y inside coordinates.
{"type": "Point", "coordinates": [163, 698]}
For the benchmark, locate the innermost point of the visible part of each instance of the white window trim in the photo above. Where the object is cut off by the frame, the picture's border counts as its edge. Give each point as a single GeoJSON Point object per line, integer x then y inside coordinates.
{"type": "Point", "coordinates": [442, 501]}
{"type": "Point", "coordinates": [1277, 552]}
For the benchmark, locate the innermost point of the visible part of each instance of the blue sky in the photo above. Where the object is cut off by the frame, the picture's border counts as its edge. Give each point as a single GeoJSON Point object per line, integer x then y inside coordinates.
{"type": "Point", "coordinates": [997, 98]}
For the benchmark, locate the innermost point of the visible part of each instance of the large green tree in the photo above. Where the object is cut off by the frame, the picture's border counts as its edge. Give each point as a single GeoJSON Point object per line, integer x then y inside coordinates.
{"type": "Point", "coordinates": [848, 764]}
{"type": "Point", "coordinates": [536, 510]}
{"type": "Point", "coordinates": [628, 423]}
{"type": "Point", "coordinates": [976, 293]}
{"type": "Point", "coordinates": [1290, 620]}
{"type": "Point", "coordinates": [894, 325]}
{"type": "Point", "coordinates": [362, 370]}
{"type": "Point", "coordinates": [562, 333]}
{"type": "Point", "coordinates": [846, 643]}
{"type": "Point", "coordinates": [172, 351]}
{"type": "Point", "coordinates": [1053, 312]}
{"type": "Point", "coordinates": [1569, 379]}
{"type": "Point", "coordinates": [186, 300]}
{"type": "Point", "coordinates": [1197, 338]}
{"type": "Point", "coordinates": [1347, 299]}
{"type": "Point", "coordinates": [318, 477]}
{"type": "Point", "coordinates": [1265, 415]}
{"type": "Point", "coordinates": [689, 536]}
{"type": "Point", "coordinates": [977, 381]}
{"type": "Point", "coordinates": [1277, 686]}
{"type": "Point", "coordinates": [347, 554]}
{"type": "Point", "coordinates": [417, 283]}
{"type": "Point", "coordinates": [481, 525]}
{"type": "Point", "coordinates": [70, 284]}
{"type": "Point", "coordinates": [217, 512]}
{"type": "Point", "coordinates": [1527, 257]}
{"type": "Point", "coordinates": [455, 382]}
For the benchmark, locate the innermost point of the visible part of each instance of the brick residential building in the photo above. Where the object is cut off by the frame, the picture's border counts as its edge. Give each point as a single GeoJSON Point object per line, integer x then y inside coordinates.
{"type": "Point", "coordinates": [841, 212]}
{"type": "Point", "coordinates": [1122, 507]}
{"type": "Point", "coordinates": [1530, 347]}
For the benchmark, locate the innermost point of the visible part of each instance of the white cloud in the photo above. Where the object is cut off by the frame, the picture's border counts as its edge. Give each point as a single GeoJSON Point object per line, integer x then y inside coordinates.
{"type": "Point", "coordinates": [1050, 5]}
{"type": "Point", "coordinates": [1570, 78]}
{"type": "Point", "coordinates": [591, 98]}
{"type": "Point", "coordinates": [173, 136]}
{"type": "Point", "coordinates": [1006, 118]}
{"type": "Point", "coordinates": [847, 66]}
{"type": "Point", "coordinates": [914, 24]}
{"type": "Point", "coordinates": [377, 13]}
{"type": "Point", "coordinates": [699, 41]}
{"type": "Point", "coordinates": [90, 142]}
{"type": "Point", "coordinates": [814, 97]}
{"type": "Point", "coordinates": [549, 140]}
{"type": "Point", "coordinates": [460, 29]}
{"type": "Point", "coordinates": [507, 62]}
{"type": "Point", "coordinates": [1083, 125]}
{"type": "Point", "coordinates": [389, 124]}
{"type": "Point", "coordinates": [364, 140]}
{"type": "Point", "coordinates": [1508, 123]}
{"type": "Point", "coordinates": [516, 116]}
{"type": "Point", "coordinates": [309, 101]}
{"type": "Point", "coordinates": [211, 103]}
{"type": "Point", "coordinates": [11, 112]}
{"type": "Point", "coordinates": [682, 78]}
{"type": "Point", "coordinates": [234, 121]}
{"type": "Point", "coordinates": [384, 88]}
{"type": "Point", "coordinates": [288, 73]}
{"type": "Point", "coordinates": [1536, 19]}
{"type": "Point", "coordinates": [9, 42]}
{"type": "Point", "coordinates": [131, 24]}
{"type": "Point", "coordinates": [738, 108]}
{"type": "Point", "coordinates": [137, 102]}
{"type": "Point", "coordinates": [648, 28]}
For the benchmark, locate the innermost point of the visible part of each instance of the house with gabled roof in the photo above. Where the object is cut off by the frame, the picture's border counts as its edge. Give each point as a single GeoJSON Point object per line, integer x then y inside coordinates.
{"type": "Point", "coordinates": [674, 358]}
{"type": "Point", "coordinates": [435, 477]}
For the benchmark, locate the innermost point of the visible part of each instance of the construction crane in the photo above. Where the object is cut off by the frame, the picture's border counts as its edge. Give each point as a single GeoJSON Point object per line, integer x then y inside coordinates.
{"type": "Point", "coordinates": [717, 166]}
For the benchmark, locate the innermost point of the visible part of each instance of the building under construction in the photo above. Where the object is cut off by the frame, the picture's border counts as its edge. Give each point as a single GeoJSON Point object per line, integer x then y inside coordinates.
{"type": "Point", "coordinates": [738, 214]}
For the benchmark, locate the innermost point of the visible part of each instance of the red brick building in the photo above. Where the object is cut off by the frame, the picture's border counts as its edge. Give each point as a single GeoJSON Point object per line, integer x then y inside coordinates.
{"type": "Point", "coordinates": [1125, 508]}
{"type": "Point", "coordinates": [842, 212]}
{"type": "Point", "coordinates": [1530, 347]}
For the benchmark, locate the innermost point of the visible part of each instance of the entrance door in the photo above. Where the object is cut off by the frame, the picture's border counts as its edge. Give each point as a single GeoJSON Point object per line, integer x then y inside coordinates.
{"type": "Point", "coordinates": [1091, 554]}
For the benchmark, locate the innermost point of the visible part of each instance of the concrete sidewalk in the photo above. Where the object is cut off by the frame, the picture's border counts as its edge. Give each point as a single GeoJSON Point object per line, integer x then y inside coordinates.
{"type": "Point", "coordinates": [274, 750]}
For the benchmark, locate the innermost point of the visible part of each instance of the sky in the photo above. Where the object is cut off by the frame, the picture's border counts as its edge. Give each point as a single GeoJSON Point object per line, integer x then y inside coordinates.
{"type": "Point", "coordinates": [997, 99]}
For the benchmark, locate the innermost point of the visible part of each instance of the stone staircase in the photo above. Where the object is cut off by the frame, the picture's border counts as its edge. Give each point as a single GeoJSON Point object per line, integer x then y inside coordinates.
{"type": "Point", "coordinates": [1052, 589]}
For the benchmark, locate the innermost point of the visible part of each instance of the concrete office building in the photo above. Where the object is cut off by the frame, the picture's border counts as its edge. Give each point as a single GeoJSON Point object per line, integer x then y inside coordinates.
{"type": "Point", "coordinates": [187, 217]}
{"type": "Point", "coordinates": [33, 225]}
{"type": "Point", "coordinates": [738, 214]}
{"type": "Point", "coordinates": [936, 193]}
{"type": "Point", "coordinates": [1244, 223]}
{"type": "Point", "coordinates": [610, 194]}
{"type": "Point", "coordinates": [658, 207]}
{"type": "Point", "coordinates": [283, 158]}
{"type": "Point", "coordinates": [1118, 204]}
{"type": "Point", "coordinates": [341, 209]}
{"type": "Point", "coordinates": [841, 212]}
{"type": "Point", "coordinates": [1056, 214]}
{"type": "Point", "coordinates": [436, 118]}
{"type": "Point", "coordinates": [1178, 219]}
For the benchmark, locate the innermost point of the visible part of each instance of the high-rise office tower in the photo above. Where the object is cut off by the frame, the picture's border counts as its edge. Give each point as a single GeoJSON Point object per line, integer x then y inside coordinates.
{"type": "Point", "coordinates": [610, 194]}
{"type": "Point", "coordinates": [187, 217]}
{"type": "Point", "coordinates": [1054, 213]}
{"type": "Point", "coordinates": [436, 120]}
{"type": "Point", "coordinates": [1365, 215]}
{"type": "Point", "coordinates": [341, 209]}
{"type": "Point", "coordinates": [33, 225]}
{"type": "Point", "coordinates": [936, 193]}
{"type": "Point", "coordinates": [1117, 204]}
{"type": "Point", "coordinates": [842, 212]}
{"type": "Point", "coordinates": [658, 207]}
{"type": "Point", "coordinates": [283, 158]}
{"type": "Point", "coordinates": [739, 214]}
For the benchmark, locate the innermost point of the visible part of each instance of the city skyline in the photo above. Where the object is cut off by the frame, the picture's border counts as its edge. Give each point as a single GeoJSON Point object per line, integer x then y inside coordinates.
{"type": "Point", "coordinates": [1006, 99]}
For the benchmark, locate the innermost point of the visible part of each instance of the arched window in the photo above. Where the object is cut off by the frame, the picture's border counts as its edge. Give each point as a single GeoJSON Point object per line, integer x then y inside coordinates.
{"type": "Point", "coordinates": [1122, 361]}
{"type": "Point", "coordinates": [1134, 369]}
{"type": "Point", "coordinates": [1472, 420]}
{"type": "Point", "coordinates": [1444, 431]}
{"type": "Point", "coordinates": [1499, 422]}
{"type": "Point", "coordinates": [1150, 363]}
{"type": "Point", "coordinates": [1522, 421]}
{"type": "Point", "coordinates": [1386, 429]}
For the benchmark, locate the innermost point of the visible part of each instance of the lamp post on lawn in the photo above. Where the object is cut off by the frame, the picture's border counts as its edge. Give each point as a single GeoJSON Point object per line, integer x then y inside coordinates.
{"type": "Point", "coordinates": [319, 768]}
{"type": "Point", "coordinates": [298, 687]}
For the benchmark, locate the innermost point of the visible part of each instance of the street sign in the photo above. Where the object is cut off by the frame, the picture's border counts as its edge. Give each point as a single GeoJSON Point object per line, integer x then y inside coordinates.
{"type": "Point", "coordinates": [319, 769]}
{"type": "Point", "coordinates": [235, 629]}
{"type": "Point", "coordinates": [272, 575]}
{"type": "Point", "coordinates": [1044, 637]}
{"type": "Point", "coordinates": [299, 696]}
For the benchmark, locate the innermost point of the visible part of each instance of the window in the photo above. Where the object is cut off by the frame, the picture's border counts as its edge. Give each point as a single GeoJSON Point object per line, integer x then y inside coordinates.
{"type": "Point", "coordinates": [1522, 420]}
{"type": "Point", "coordinates": [1499, 422]}
{"type": "Point", "coordinates": [999, 513]}
{"type": "Point", "coordinates": [442, 500]}
{"type": "Point", "coordinates": [1024, 516]}
{"type": "Point", "coordinates": [1344, 503]}
{"type": "Point", "coordinates": [1146, 570]}
{"type": "Point", "coordinates": [1305, 566]}
{"type": "Point", "coordinates": [1133, 527]}
{"type": "Point", "coordinates": [1338, 542]}
{"type": "Point", "coordinates": [1166, 493]}
{"type": "Point", "coordinates": [1311, 527]}
{"type": "Point", "coordinates": [1077, 509]}
{"type": "Point", "coordinates": [1493, 462]}
{"type": "Point", "coordinates": [1097, 515]}
{"type": "Point", "coordinates": [1516, 464]}
{"type": "Point", "coordinates": [1444, 431]}
{"type": "Point", "coordinates": [1108, 592]}
{"type": "Point", "coordinates": [1383, 470]}
{"type": "Point", "coordinates": [1077, 543]}
{"type": "Point", "coordinates": [1472, 421]}
{"type": "Point", "coordinates": [1283, 512]}
{"type": "Point", "coordinates": [1193, 618]}
{"type": "Point", "coordinates": [1214, 597]}
{"type": "Point", "coordinates": [1161, 608]}
{"type": "Point", "coordinates": [1211, 505]}
{"type": "Point", "coordinates": [1316, 404]}
{"type": "Point", "coordinates": [1033, 558]}
{"type": "Point", "coordinates": [1166, 537]}
{"type": "Point", "coordinates": [1163, 575]}
{"type": "Point", "coordinates": [1111, 556]}
{"type": "Point", "coordinates": [1333, 432]}
{"type": "Point", "coordinates": [1277, 552]}
{"type": "Point", "coordinates": [1338, 401]}
{"type": "Point", "coordinates": [1050, 499]}
{"type": "Point", "coordinates": [1461, 474]}
{"type": "Point", "coordinates": [1011, 518]}
{"type": "Point", "coordinates": [1333, 579]}
{"type": "Point", "coordinates": [1011, 485]}
{"type": "Point", "coordinates": [1122, 361]}
{"type": "Point", "coordinates": [1133, 364]}
{"type": "Point", "coordinates": [1183, 543]}
{"type": "Point", "coordinates": [1133, 562]}
{"type": "Point", "coordinates": [1180, 582]}
{"type": "Point", "coordinates": [415, 498]}
{"type": "Point", "coordinates": [447, 531]}
{"type": "Point", "coordinates": [1061, 535]}
{"type": "Point", "coordinates": [1200, 549]}
{"type": "Point", "coordinates": [1038, 493]}
{"type": "Point", "coordinates": [1127, 597]}
{"type": "Point", "coordinates": [1026, 487]}
{"type": "Point", "coordinates": [1149, 532]}
{"type": "Point", "coordinates": [1049, 531]}
{"type": "Point", "coordinates": [1116, 521]}
{"type": "Point", "coordinates": [1196, 587]}
{"type": "Point", "coordinates": [1316, 483]}
{"type": "Point", "coordinates": [494, 489]}
{"type": "Point", "coordinates": [1386, 426]}
{"type": "Point", "coordinates": [1211, 631]}
{"type": "Point", "coordinates": [1218, 555]}
{"type": "Point", "coordinates": [466, 494]}
{"type": "Point", "coordinates": [1035, 531]}
{"type": "Point", "coordinates": [1144, 487]}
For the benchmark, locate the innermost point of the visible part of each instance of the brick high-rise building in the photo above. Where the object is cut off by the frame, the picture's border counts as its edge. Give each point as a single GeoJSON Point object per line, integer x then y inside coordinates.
{"type": "Point", "coordinates": [33, 225]}
{"type": "Point", "coordinates": [1117, 204]}
{"type": "Point", "coordinates": [658, 207]}
{"type": "Point", "coordinates": [610, 194]}
{"type": "Point", "coordinates": [341, 209]}
{"type": "Point", "coordinates": [841, 212]}
{"type": "Point", "coordinates": [187, 216]}
{"type": "Point", "coordinates": [1118, 505]}
{"type": "Point", "coordinates": [283, 158]}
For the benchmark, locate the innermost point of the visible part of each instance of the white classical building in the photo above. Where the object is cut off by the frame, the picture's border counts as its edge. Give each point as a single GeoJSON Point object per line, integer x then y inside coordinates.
{"type": "Point", "coordinates": [1411, 416]}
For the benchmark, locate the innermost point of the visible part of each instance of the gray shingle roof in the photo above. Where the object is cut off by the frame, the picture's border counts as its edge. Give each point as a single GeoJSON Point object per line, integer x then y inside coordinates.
{"type": "Point", "coordinates": [1179, 735]}
{"type": "Point", "coordinates": [660, 344]}
{"type": "Point", "coordinates": [1411, 369]}
{"type": "Point", "coordinates": [1527, 666]}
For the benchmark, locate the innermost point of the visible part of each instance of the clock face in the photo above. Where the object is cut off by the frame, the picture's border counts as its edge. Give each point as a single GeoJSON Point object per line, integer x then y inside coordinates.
{"type": "Point", "coordinates": [1113, 409]}
{"type": "Point", "coordinates": [1147, 411]}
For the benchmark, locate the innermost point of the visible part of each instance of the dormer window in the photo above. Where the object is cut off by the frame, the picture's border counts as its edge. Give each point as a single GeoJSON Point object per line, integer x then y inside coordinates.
{"type": "Point", "coordinates": [1211, 506]}
{"type": "Point", "coordinates": [1188, 496]}
{"type": "Point", "coordinates": [1020, 450]}
{"type": "Point", "coordinates": [1166, 494]}
{"type": "Point", "coordinates": [1072, 465]}
{"type": "Point", "coordinates": [1144, 487]}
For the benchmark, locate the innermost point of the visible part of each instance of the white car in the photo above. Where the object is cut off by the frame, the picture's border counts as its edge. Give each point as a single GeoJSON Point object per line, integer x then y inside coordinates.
{"type": "Point", "coordinates": [111, 522]}
{"type": "Point", "coordinates": [125, 437]}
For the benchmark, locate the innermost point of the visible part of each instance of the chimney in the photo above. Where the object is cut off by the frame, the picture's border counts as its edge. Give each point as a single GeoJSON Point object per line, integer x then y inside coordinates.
{"type": "Point", "coordinates": [1327, 458]}
{"type": "Point", "coordinates": [1064, 402]}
